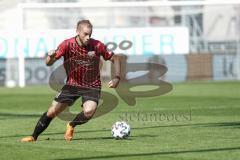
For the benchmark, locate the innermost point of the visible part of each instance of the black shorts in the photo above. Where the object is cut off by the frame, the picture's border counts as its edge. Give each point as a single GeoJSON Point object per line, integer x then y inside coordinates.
{"type": "Point", "coordinates": [69, 94]}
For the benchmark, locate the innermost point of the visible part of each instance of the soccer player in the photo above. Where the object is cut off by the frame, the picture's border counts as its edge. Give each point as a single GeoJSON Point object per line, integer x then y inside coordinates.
{"type": "Point", "coordinates": [81, 62]}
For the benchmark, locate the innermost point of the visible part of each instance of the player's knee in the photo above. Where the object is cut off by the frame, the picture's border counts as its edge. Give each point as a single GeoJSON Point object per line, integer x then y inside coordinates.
{"type": "Point", "coordinates": [56, 108]}
{"type": "Point", "coordinates": [52, 113]}
{"type": "Point", "coordinates": [89, 112]}
{"type": "Point", "coordinates": [89, 108]}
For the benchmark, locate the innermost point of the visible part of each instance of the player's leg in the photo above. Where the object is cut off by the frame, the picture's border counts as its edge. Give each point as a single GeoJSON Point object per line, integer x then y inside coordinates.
{"type": "Point", "coordinates": [47, 117]}
{"type": "Point", "coordinates": [89, 108]}
{"type": "Point", "coordinates": [45, 120]}
{"type": "Point", "coordinates": [56, 108]}
{"type": "Point", "coordinates": [90, 100]}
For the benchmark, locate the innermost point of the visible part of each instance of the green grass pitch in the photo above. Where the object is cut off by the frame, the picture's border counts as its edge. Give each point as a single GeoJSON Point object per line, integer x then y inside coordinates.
{"type": "Point", "coordinates": [195, 121]}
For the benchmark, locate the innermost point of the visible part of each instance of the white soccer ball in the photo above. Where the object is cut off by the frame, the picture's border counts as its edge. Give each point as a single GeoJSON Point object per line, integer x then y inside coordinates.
{"type": "Point", "coordinates": [120, 130]}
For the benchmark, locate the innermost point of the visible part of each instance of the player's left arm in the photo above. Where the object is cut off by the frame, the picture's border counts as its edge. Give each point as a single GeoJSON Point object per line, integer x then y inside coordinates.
{"type": "Point", "coordinates": [115, 59]}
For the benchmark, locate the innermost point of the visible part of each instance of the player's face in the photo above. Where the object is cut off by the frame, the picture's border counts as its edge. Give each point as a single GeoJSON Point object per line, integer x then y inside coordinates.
{"type": "Point", "coordinates": [84, 33]}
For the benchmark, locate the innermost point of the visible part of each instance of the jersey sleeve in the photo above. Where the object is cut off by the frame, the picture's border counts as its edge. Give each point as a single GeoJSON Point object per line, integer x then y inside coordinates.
{"type": "Point", "coordinates": [107, 55]}
{"type": "Point", "coordinates": [61, 50]}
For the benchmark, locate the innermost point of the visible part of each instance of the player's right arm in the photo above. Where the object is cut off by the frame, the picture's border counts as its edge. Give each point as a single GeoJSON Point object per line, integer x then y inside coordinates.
{"type": "Point", "coordinates": [51, 58]}
{"type": "Point", "coordinates": [54, 55]}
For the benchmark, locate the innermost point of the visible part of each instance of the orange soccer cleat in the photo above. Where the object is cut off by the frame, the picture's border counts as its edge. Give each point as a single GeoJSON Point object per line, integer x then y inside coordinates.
{"type": "Point", "coordinates": [28, 139]}
{"type": "Point", "coordinates": [69, 133]}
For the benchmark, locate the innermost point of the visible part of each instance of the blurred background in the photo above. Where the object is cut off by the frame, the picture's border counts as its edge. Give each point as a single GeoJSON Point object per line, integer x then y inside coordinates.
{"type": "Point", "coordinates": [196, 40]}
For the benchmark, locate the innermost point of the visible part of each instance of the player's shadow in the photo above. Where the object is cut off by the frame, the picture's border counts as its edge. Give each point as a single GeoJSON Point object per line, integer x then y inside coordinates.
{"type": "Point", "coordinates": [111, 138]}
{"type": "Point", "coordinates": [132, 137]}
{"type": "Point", "coordinates": [117, 156]}
{"type": "Point", "coordinates": [81, 139]}
{"type": "Point", "coordinates": [56, 133]}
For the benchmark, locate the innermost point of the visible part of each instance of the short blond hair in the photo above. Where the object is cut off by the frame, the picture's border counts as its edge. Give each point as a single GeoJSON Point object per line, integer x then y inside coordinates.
{"type": "Point", "coordinates": [84, 22]}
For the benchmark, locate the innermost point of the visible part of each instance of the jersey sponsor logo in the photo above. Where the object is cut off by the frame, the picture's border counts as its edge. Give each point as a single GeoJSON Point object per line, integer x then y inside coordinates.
{"type": "Point", "coordinates": [85, 63]}
{"type": "Point", "coordinates": [91, 54]}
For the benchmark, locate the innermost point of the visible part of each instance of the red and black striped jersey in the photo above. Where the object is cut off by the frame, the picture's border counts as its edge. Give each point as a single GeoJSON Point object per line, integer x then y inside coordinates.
{"type": "Point", "coordinates": [82, 63]}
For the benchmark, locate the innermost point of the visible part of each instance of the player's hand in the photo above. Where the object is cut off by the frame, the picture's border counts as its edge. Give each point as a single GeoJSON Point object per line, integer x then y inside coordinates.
{"type": "Point", "coordinates": [114, 83]}
{"type": "Point", "coordinates": [52, 53]}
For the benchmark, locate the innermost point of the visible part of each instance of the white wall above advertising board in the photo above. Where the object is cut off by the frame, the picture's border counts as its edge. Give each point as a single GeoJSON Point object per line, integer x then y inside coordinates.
{"type": "Point", "coordinates": [145, 41]}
